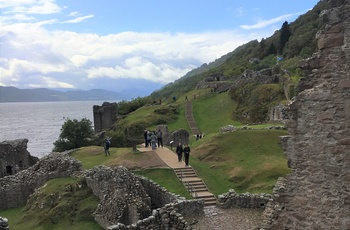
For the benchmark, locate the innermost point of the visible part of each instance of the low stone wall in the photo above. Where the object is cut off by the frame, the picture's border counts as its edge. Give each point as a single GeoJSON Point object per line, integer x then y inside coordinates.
{"type": "Point", "coordinates": [246, 200]}
{"type": "Point", "coordinates": [128, 201]}
{"type": "Point", "coordinates": [15, 189]}
{"type": "Point", "coordinates": [161, 218]}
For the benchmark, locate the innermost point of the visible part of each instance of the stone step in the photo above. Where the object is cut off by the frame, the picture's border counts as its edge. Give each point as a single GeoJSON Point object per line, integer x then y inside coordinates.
{"type": "Point", "coordinates": [191, 179]}
{"type": "Point", "coordinates": [209, 198]}
{"type": "Point", "coordinates": [197, 187]}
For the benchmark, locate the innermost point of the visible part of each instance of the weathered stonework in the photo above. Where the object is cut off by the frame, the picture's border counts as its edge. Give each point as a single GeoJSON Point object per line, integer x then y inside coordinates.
{"type": "Point", "coordinates": [179, 136]}
{"type": "Point", "coordinates": [316, 195]}
{"type": "Point", "coordinates": [232, 199]}
{"type": "Point", "coordinates": [133, 202]}
{"type": "Point", "coordinates": [104, 116]}
{"type": "Point", "coordinates": [15, 189]}
{"type": "Point", "coordinates": [14, 157]}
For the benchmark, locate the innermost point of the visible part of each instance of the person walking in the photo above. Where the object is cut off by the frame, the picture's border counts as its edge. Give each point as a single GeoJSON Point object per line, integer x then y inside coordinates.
{"type": "Point", "coordinates": [187, 151]}
{"type": "Point", "coordinates": [148, 138]}
{"type": "Point", "coordinates": [107, 145]}
{"type": "Point", "coordinates": [145, 134]}
{"type": "Point", "coordinates": [154, 140]}
{"type": "Point", "coordinates": [160, 138]}
{"type": "Point", "coordinates": [179, 151]}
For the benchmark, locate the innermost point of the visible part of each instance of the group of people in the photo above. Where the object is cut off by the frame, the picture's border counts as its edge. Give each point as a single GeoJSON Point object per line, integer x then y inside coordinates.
{"type": "Point", "coordinates": [185, 150]}
{"type": "Point", "coordinates": [153, 138]}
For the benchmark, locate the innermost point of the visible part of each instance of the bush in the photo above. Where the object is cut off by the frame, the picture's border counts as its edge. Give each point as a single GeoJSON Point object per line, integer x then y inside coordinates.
{"type": "Point", "coordinates": [74, 134]}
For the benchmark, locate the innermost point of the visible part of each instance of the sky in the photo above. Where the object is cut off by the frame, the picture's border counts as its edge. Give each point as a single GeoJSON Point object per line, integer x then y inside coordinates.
{"type": "Point", "coordinates": [121, 45]}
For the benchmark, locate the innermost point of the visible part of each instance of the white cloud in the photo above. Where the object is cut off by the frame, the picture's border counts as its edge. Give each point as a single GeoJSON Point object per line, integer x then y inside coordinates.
{"type": "Point", "coordinates": [264, 23]}
{"type": "Point", "coordinates": [48, 82]}
{"type": "Point", "coordinates": [79, 19]}
{"type": "Point", "coordinates": [33, 56]}
{"type": "Point", "coordinates": [30, 6]}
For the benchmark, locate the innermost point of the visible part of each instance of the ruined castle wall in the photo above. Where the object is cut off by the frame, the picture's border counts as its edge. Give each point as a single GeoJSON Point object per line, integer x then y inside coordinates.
{"type": "Point", "coordinates": [104, 116]}
{"type": "Point", "coordinates": [135, 202]}
{"type": "Point", "coordinates": [15, 189]}
{"type": "Point", "coordinates": [316, 195]}
{"type": "Point", "coordinates": [14, 157]}
{"type": "Point", "coordinates": [232, 199]}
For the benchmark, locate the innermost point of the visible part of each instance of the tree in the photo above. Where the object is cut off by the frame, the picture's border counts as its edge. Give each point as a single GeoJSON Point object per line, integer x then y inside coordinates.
{"type": "Point", "coordinates": [285, 35]}
{"type": "Point", "coordinates": [74, 134]}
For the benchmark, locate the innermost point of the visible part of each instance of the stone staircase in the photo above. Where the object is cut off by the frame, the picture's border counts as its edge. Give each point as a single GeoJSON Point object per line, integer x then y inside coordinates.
{"type": "Point", "coordinates": [189, 117]}
{"type": "Point", "coordinates": [196, 186]}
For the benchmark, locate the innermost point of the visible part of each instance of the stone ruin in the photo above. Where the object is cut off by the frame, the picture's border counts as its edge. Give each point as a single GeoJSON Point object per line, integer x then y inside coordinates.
{"type": "Point", "coordinates": [14, 157]}
{"type": "Point", "coordinates": [316, 195]}
{"type": "Point", "coordinates": [179, 136]}
{"type": "Point", "coordinates": [127, 201]}
{"type": "Point", "coordinates": [133, 202]}
{"type": "Point", "coordinates": [15, 189]}
{"type": "Point", "coordinates": [4, 223]}
{"type": "Point", "coordinates": [104, 116]}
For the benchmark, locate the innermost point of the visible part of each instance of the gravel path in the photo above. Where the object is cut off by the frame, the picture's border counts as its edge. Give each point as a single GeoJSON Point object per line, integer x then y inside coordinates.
{"type": "Point", "coordinates": [215, 218]}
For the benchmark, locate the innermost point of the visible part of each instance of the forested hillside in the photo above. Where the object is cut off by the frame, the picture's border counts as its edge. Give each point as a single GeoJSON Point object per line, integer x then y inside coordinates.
{"type": "Point", "coordinates": [293, 42]}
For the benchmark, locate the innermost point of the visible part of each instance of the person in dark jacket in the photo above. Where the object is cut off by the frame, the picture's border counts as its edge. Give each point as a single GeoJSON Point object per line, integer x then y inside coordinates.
{"type": "Point", "coordinates": [145, 134]}
{"type": "Point", "coordinates": [187, 151]}
{"type": "Point", "coordinates": [107, 145]}
{"type": "Point", "coordinates": [179, 151]}
{"type": "Point", "coordinates": [160, 138]}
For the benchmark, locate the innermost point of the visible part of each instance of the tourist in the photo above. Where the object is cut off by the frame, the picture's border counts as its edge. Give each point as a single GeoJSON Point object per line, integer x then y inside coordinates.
{"type": "Point", "coordinates": [187, 151]}
{"type": "Point", "coordinates": [148, 138]}
{"type": "Point", "coordinates": [154, 140]}
{"type": "Point", "coordinates": [145, 134]}
{"type": "Point", "coordinates": [160, 138]}
{"type": "Point", "coordinates": [107, 145]}
{"type": "Point", "coordinates": [179, 151]}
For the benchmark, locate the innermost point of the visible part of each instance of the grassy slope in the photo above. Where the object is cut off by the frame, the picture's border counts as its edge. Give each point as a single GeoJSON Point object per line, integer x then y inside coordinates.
{"type": "Point", "coordinates": [61, 204]}
{"type": "Point", "coordinates": [93, 155]}
{"type": "Point", "coordinates": [249, 160]}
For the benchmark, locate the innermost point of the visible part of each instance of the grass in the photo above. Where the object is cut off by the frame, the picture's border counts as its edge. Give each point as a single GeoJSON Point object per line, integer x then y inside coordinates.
{"type": "Point", "coordinates": [245, 160]}
{"type": "Point", "coordinates": [60, 204]}
{"type": "Point", "coordinates": [94, 155]}
{"type": "Point", "coordinates": [214, 111]}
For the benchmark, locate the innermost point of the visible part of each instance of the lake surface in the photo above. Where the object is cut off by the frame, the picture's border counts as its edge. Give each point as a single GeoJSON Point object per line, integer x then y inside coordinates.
{"type": "Point", "coordinates": [40, 122]}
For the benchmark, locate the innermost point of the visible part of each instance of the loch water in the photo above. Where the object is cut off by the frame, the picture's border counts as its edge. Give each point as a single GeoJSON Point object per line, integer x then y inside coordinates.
{"type": "Point", "coordinates": [40, 122]}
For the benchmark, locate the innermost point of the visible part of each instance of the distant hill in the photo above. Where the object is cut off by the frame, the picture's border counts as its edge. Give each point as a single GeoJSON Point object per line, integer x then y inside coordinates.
{"type": "Point", "coordinates": [12, 94]}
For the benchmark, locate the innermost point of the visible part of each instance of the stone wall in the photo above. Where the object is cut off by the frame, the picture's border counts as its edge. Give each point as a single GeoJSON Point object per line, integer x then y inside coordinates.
{"type": "Point", "coordinates": [134, 202]}
{"type": "Point", "coordinates": [14, 157]}
{"type": "Point", "coordinates": [316, 195]}
{"type": "Point", "coordinates": [15, 189]}
{"type": "Point", "coordinates": [179, 136]}
{"type": "Point", "coordinates": [104, 116]}
{"type": "Point", "coordinates": [278, 114]}
{"type": "Point", "coordinates": [232, 199]}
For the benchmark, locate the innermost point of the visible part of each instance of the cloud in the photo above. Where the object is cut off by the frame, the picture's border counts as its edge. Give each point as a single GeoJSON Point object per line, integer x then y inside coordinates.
{"type": "Point", "coordinates": [34, 56]}
{"type": "Point", "coordinates": [265, 23]}
{"type": "Point", "coordinates": [30, 6]}
{"type": "Point", "coordinates": [79, 19]}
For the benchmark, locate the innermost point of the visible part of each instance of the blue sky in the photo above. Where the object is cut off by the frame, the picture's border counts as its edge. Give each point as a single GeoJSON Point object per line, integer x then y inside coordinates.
{"type": "Point", "coordinates": [118, 45]}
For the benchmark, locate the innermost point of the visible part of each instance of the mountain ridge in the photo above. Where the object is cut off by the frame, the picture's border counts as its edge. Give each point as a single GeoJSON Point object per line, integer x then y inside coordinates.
{"type": "Point", "coordinates": [13, 94]}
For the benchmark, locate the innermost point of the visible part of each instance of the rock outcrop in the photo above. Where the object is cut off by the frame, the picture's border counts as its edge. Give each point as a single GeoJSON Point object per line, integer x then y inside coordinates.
{"type": "Point", "coordinates": [316, 195]}
{"type": "Point", "coordinates": [14, 157]}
